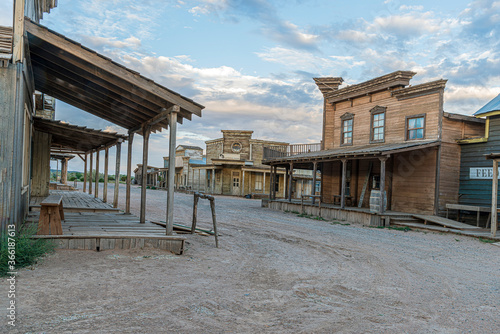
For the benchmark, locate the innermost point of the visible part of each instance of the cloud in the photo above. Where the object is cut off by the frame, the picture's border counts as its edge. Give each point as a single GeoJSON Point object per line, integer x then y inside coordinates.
{"type": "Point", "coordinates": [272, 26]}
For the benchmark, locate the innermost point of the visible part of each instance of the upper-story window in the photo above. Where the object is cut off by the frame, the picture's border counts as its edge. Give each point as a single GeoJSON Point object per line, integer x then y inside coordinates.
{"type": "Point", "coordinates": [415, 127]}
{"type": "Point", "coordinates": [347, 129]}
{"type": "Point", "coordinates": [377, 129]}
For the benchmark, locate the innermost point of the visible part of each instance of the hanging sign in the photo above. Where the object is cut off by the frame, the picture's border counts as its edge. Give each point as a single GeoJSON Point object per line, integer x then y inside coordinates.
{"type": "Point", "coordinates": [482, 173]}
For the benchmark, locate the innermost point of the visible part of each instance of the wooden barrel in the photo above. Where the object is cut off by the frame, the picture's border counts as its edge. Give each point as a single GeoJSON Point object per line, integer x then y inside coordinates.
{"type": "Point", "coordinates": [375, 201]}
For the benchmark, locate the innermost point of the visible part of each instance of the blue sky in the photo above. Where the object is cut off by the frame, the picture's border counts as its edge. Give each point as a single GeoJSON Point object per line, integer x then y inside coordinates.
{"type": "Point", "coordinates": [251, 62]}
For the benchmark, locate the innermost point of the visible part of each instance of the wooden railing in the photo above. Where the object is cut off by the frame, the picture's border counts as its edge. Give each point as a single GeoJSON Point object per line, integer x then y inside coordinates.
{"type": "Point", "coordinates": [279, 151]}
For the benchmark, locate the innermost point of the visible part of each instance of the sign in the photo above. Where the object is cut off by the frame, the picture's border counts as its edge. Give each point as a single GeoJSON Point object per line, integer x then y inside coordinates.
{"type": "Point", "coordinates": [482, 173]}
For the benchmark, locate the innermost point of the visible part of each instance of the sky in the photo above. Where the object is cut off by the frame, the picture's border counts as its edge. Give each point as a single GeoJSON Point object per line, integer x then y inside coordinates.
{"type": "Point", "coordinates": [251, 62]}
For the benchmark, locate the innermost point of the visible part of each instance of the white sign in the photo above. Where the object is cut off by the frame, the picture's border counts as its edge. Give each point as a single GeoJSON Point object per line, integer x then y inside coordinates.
{"type": "Point", "coordinates": [484, 173]}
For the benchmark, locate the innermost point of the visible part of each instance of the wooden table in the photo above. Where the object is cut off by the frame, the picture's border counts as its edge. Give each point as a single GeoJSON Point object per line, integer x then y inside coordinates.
{"type": "Point", "coordinates": [51, 214]}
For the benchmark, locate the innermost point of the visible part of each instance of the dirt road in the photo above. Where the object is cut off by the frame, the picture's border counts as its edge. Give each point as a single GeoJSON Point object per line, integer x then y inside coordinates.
{"type": "Point", "coordinates": [273, 273]}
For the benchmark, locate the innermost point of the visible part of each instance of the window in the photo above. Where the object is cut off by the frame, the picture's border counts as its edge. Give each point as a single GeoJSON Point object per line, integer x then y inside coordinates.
{"type": "Point", "coordinates": [415, 127]}
{"type": "Point", "coordinates": [377, 130]}
{"type": "Point", "coordinates": [236, 179]}
{"type": "Point", "coordinates": [236, 147]}
{"type": "Point", "coordinates": [258, 181]}
{"type": "Point", "coordinates": [347, 129]}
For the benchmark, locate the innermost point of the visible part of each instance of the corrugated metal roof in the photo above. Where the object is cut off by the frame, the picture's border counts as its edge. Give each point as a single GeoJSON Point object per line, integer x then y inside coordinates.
{"type": "Point", "coordinates": [493, 105]}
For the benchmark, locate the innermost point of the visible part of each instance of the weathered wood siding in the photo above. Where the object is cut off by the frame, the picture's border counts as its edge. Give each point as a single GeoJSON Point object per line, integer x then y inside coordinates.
{"type": "Point", "coordinates": [413, 181]}
{"type": "Point", "coordinates": [41, 164]}
{"type": "Point", "coordinates": [396, 113]}
{"type": "Point", "coordinates": [476, 191]}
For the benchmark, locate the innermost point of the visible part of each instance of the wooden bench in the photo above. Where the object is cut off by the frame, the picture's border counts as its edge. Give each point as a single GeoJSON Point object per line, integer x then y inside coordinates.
{"type": "Point", "coordinates": [478, 209]}
{"type": "Point", "coordinates": [349, 200]}
{"type": "Point", "coordinates": [51, 214]}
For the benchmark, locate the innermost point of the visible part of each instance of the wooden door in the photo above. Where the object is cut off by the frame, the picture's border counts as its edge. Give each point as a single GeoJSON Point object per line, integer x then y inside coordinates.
{"type": "Point", "coordinates": [236, 183]}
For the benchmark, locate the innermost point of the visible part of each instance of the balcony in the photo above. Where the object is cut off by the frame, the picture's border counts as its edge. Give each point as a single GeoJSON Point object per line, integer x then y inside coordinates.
{"type": "Point", "coordinates": [273, 152]}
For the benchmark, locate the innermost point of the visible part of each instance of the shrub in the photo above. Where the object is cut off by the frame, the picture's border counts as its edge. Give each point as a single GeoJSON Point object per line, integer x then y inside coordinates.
{"type": "Point", "coordinates": [101, 179]}
{"type": "Point", "coordinates": [28, 250]}
{"type": "Point", "coordinates": [72, 178]}
{"type": "Point", "coordinates": [123, 178]}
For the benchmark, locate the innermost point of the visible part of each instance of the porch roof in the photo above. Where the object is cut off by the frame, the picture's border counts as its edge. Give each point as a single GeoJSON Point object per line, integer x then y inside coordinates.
{"type": "Point", "coordinates": [358, 152]}
{"type": "Point", "coordinates": [70, 138]}
{"type": "Point", "coordinates": [79, 76]}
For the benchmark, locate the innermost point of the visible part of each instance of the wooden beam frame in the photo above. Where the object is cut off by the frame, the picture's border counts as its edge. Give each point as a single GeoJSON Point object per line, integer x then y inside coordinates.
{"type": "Point", "coordinates": [171, 172]}
{"type": "Point", "coordinates": [129, 172]}
{"type": "Point", "coordinates": [117, 173]}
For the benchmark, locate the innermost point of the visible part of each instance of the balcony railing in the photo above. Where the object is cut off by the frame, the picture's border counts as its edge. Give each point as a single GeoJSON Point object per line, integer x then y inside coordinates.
{"type": "Point", "coordinates": [278, 151]}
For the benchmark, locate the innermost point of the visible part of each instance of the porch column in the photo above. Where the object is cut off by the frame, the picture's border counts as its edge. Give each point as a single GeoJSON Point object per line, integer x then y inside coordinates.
{"type": "Point", "coordinates": [96, 188]}
{"type": "Point", "coordinates": [117, 173]}
{"type": "Point", "coordinates": [264, 181]}
{"type": "Point", "coordinates": [172, 123]}
{"type": "Point", "coordinates": [146, 131]}
{"type": "Point", "coordinates": [271, 183]}
{"type": "Point", "coordinates": [313, 190]}
{"type": "Point", "coordinates": [242, 183]}
{"type": "Point", "coordinates": [85, 174]}
{"type": "Point", "coordinates": [290, 179]}
{"type": "Point", "coordinates": [199, 179]}
{"type": "Point", "coordinates": [129, 172]}
{"type": "Point", "coordinates": [382, 184]}
{"type": "Point", "coordinates": [105, 191]}
{"type": "Point", "coordinates": [64, 171]}
{"type": "Point", "coordinates": [90, 172]}
{"type": "Point", "coordinates": [344, 181]}
{"type": "Point", "coordinates": [285, 186]}
{"type": "Point", "coordinates": [213, 181]}
{"type": "Point", "coordinates": [494, 197]}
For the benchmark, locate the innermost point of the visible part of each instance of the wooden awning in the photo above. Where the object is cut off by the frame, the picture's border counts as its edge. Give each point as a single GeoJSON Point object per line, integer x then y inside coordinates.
{"type": "Point", "coordinates": [92, 82]}
{"type": "Point", "coordinates": [69, 138]}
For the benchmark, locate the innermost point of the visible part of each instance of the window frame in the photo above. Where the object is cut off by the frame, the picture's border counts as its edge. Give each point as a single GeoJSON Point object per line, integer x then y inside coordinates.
{"type": "Point", "coordinates": [346, 117]}
{"type": "Point", "coordinates": [258, 181]}
{"type": "Point", "coordinates": [377, 110]}
{"type": "Point", "coordinates": [407, 119]}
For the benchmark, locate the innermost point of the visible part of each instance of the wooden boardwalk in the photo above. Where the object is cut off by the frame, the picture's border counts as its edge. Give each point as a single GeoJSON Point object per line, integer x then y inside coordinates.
{"type": "Point", "coordinates": [94, 225]}
{"type": "Point", "coordinates": [76, 201]}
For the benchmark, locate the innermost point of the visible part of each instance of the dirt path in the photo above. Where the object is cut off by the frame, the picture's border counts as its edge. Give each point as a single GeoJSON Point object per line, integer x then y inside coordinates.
{"type": "Point", "coordinates": [275, 272]}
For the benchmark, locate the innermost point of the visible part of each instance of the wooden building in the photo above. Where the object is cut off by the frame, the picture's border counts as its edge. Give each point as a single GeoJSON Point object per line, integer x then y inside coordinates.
{"type": "Point", "coordinates": [186, 158]}
{"type": "Point", "coordinates": [234, 166]}
{"type": "Point", "coordinates": [476, 172]}
{"type": "Point", "coordinates": [33, 57]}
{"type": "Point", "coordinates": [385, 134]}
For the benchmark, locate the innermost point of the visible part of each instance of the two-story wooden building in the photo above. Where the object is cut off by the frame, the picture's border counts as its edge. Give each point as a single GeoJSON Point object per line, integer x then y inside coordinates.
{"type": "Point", "coordinates": [387, 134]}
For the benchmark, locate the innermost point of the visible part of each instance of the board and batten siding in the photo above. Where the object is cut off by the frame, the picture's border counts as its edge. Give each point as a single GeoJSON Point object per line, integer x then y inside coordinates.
{"type": "Point", "coordinates": [478, 191]}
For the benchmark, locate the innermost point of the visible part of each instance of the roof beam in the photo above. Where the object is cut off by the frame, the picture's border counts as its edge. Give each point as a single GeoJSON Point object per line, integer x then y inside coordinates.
{"type": "Point", "coordinates": [106, 65]}
{"type": "Point", "coordinates": [158, 118]}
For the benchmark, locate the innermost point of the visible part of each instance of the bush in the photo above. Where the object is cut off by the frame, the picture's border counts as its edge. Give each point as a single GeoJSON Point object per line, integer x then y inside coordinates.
{"type": "Point", "coordinates": [123, 178]}
{"type": "Point", "coordinates": [101, 179]}
{"type": "Point", "coordinates": [111, 177]}
{"type": "Point", "coordinates": [28, 250]}
{"type": "Point", "coordinates": [71, 178]}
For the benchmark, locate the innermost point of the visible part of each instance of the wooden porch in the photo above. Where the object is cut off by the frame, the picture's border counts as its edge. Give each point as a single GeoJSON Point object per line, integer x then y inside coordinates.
{"type": "Point", "coordinates": [94, 225]}
{"type": "Point", "coordinates": [388, 218]}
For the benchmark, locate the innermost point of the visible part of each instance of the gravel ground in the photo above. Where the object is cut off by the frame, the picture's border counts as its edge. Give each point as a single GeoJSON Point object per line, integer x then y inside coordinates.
{"type": "Point", "coordinates": [274, 273]}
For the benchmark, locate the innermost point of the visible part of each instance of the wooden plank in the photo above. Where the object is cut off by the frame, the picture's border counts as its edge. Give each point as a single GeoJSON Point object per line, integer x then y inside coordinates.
{"type": "Point", "coordinates": [445, 222]}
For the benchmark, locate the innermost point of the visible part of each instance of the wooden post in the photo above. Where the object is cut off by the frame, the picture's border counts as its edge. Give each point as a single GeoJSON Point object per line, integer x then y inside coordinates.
{"type": "Point", "coordinates": [96, 188]}
{"type": "Point", "coordinates": [242, 183]}
{"type": "Point", "coordinates": [494, 197]}
{"type": "Point", "coordinates": [146, 131]}
{"type": "Point", "coordinates": [64, 171]}
{"type": "Point", "coordinates": [117, 174]}
{"type": "Point", "coordinates": [344, 181]}
{"type": "Point", "coordinates": [290, 180]}
{"type": "Point", "coordinates": [85, 174]}
{"type": "Point", "coordinates": [172, 122]}
{"type": "Point", "coordinates": [213, 181]}
{"type": "Point", "coordinates": [105, 191]}
{"type": "Point", "coordinates": [271, 184]}
{"type": "Point", "coordinates": [382, 184]}
{"type": "Point", "coordinates": [91, 167]}
{"type": "Point", "coordinates": [313, 190]}
{"type": "Point", "coordinates": [212, 207]}
{"type": "Point", "coordinates": [129, 172]}
{"type": "Point", "coordinates": [195, 212]}
{"type": "Point", "coordinates": [264, 181]}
